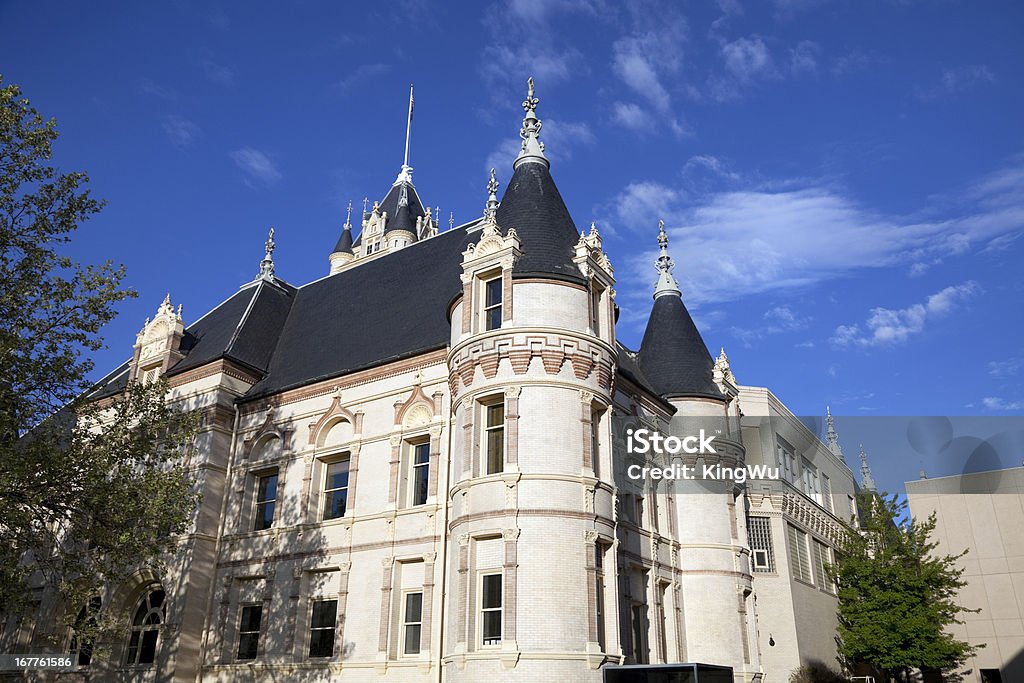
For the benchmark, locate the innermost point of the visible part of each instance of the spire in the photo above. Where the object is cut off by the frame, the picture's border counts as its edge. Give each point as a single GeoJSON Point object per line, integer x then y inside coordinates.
{"type": "Point", "coordinates": [831, 437]}
{"type": "Point", "coordinates": [405, 175]}
{"type": "Point", "coordinates": [532, 148]}
{"type": "Point", "coordinates": [867, 482]}
{"type": "Point", "coordinates": [491, 208]}
{"type": "Point", "coordinates": [267, 264]}
{"type": "Point", "coordinates": [666, 283]}
{"type": "Point", "coordinates": [344, 244]}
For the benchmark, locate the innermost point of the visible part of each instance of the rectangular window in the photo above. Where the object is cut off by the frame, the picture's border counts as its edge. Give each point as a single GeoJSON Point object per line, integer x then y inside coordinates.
{"type": "Point", "coordinates": [799, 555]}
{"type": "Point", "coordinates": [266, 500]}
{"type": "Point", "coordinates": [336, 489]}
{"type": "Point", "coordinates": [810, 481]}
{"type": "Point", "coordinates": [787, 463]}
{"type": "Point", "coordinates": [639, 619]}
{"type": "Point", "coordinates": [762, 552]}
{"type": "Point", "coordinates": [638, 510]}
{"type": "Point", "coordinates": [490, 609]}
{"type": "Point", "coordinates": [595, 311]}
{"type": "Point", "coordinates": [826, 493]}
{"type": "Point", "coordinates": [494, 437]}
{"type": "Point", "coordinates": [595, 440]}
{"type": "Point", "coordinates": [852, 503]}
{"type": "Point", "coordinates": [322, 624]}
{"type": "Point", "coordinates": [412, 624]}
{"type": "Point", "coordinates": [249, 631]}
{"type": "Point", "coordinates": [419, 478]}
{"type": "Point", "coordinates": [492, 304]}
{"type": "Point", "coordinates": [821, 559]}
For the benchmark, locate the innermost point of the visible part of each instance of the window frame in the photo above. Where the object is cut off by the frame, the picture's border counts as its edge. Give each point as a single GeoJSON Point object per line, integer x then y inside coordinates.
{"type": "Point", "coordinates": [313, 628]}
{"type": "Point", "coordinates": [800, 553]}
{"type": "Point", "coordinates": [407, 624]}
{"type": "Point", "coordinates": [488, 307]}
{"type": "Point", "coordinates": [758, 537]}
{"type": "Point", "coordinates": [258, 606]}
{"type": "Point", "coordinates": [414, 469]}
{"type": "Point", "coordinates": [261, 504]}
{"type": "Point", "coordinates": [810, 481]}
{"type": "Point", "coordinates": [483, 611]}
{"type": "Point", "coordinates": [486, 406]}
{"type": "Point", "coordinates": [326, 494]}
{"type": "Point", "coordinates": [138, 633]}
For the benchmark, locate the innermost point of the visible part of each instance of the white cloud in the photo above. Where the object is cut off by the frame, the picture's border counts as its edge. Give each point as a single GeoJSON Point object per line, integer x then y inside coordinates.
{"type": "Point", "coordinates": [1005, 368]}
{"type": "Point", "coordinates": [957, 80]}
{"type": "Point", "coordinates": [777, 320]}
{"type": "Point", "coordinates": [150, 87]}
{"type": "Point", "coordinates": [711, 164]}
{"type": "Point", "coordinates": [636, 70]}
{"type": "Point", "coordinates": [748, 59]}
{"type": "Point", "coordinates": [804, 57]}
{"type": "Point", "coordinates": [996, 403]}
{"type": "Point", "coordinates": [854, 61]}
{"type": "Point", "coordinates": [217, 73]}
{"type": "Point", "coordinates": [560, 138]}
{"type": "Point", "coordinates": [632, 116]}
{"type": "Point", "coordinates": [786, 235]}
{"type": "Point", "coordinates": [256, 165]}
{"type": "Point", "coordinates": [361, 74]}
{"type": "Point", "coordinates": [886, 327]}
{"type": "Point", "coordinates": [180, 131]}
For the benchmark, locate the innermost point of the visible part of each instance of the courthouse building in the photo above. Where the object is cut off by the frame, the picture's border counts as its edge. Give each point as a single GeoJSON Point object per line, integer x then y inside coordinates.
{"type": "Point", "coordinates": [410, 471]}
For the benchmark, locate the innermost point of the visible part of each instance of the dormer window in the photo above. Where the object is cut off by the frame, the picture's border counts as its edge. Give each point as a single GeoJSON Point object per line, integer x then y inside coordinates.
{"type": "Point", "coordinates": [492, 304]}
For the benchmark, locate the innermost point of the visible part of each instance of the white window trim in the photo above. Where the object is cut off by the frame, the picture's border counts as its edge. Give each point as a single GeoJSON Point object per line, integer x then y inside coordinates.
{"type": "Point", "coordinates": [481, 609]}
{"type": "Point", "coordinates": [406, 623]}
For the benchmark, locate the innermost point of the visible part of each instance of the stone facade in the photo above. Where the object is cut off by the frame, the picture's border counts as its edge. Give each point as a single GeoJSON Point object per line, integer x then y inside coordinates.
{"type": "Point", "coordinates": [459, 514]}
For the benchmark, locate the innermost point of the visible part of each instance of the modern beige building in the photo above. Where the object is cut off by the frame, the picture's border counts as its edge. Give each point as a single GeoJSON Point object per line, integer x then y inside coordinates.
{"type": "Point", "coordinates": [983, 513]}
{"type": "Point", "coordinates": [409, 472]}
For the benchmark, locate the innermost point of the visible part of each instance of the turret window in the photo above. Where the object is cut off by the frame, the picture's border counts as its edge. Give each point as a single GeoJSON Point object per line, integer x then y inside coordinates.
{"type": "Point", "coordinates": [266, 501]}
{"type": "Point", "coordinates": [494, 437]}
{"type": "Point", "coordinates": [492, 304]}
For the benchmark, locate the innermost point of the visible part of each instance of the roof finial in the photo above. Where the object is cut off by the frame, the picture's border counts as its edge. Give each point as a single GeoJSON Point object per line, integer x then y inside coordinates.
{"type": "Point", "coordinates": [831, 436]}
{"type": "Point", "coordinates": [267, 264]}
{"type": "Point", "coordinates": [348, 216]}
{"type": "Point", "coordinates": [666, 283]}
{"type": "Point", "coordinates": [867, 482]}
{"type": "Point", "coordinates": [491, 208]}
{"type": "Point", "coordinates": [405, 175]}
{"type": "Point", "coordinates": [451, 220]}
{"type": "Point", "coordinates": [532, 148]}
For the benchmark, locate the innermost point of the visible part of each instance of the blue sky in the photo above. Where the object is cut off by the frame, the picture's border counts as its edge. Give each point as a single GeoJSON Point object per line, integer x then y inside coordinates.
{"type": "Point", "coordinates": [843, 181]}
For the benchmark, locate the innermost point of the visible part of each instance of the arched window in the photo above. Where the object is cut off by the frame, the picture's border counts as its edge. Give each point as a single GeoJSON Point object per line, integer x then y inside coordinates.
{"type": "Point", "coordinates": [83, 633]}
{"type": "Point", "coordinates": [146, 623]}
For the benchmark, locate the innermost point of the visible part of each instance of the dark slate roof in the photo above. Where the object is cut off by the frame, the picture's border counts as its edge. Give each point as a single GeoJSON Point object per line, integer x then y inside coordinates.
{"type": "Point", "coordinates": [673, 356]}
{"type": "Point", "coordinates": [628, 367]}
{"type": "Point", "coordinates": [112, 383]}
{"type": "Point", "coordinates": [344, 245]}
{"type": "Point", "coordinates": [369, 315]}
{"type": "Point", "coordinates": [242, 329]}
{"type": "Point", "coordinates": [402, 219]}
{"type": "Point", "coordinates": [533, 206]}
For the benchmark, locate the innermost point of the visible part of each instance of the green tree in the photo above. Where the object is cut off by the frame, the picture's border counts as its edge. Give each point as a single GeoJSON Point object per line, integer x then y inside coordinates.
{"type": "Point", "coordinates": [89, 490]}
{"type": "Point", "coordinates": [897, 598]}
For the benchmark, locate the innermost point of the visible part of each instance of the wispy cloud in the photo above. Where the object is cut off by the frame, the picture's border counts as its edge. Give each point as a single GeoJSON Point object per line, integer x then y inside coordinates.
{"type": "Point", "coordinates": [1005, 368]}
{"type": "Point", "coordinates": [996, 403]}
{"type": "Point", "coordinates": [150, 87]}
{"type": "Point", "coordinates": [361, 74]}
{"type": "Point", "coordinates": [854, 61]}
{"type": "Point", "coordinates": [180, 131]}
{"type": "Point", "coordinates": [218, 74]}
{"type": "Point", "coordinates": [888, 327]}
{"type": "Point", "coordinates": [777, 320]}
{"type": "Point", "coordinates": [632, 116]}
{"type": "Point", "coordinates": [560, 138]}
{"type": "Point", "coordinates": [803, 59]}
{"type": "Point", "coordinates": [257, 166]}
{"type": "Point", "coordinates": [785, 235]}
{"type": "Point", "coordinates": [957, 80]}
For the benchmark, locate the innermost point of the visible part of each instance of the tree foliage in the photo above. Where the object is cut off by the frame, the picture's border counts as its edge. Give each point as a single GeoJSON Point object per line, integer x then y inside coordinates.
{"type": "Point", "coordinates": [897, 597]}
{"type": "Point", "coordinates": [88, 490]}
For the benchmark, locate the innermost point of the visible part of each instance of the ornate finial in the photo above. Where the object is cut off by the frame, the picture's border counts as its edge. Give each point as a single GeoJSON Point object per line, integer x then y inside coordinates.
{"type": "Point", "coordinates": [831, 437]}
{"type": "Point", "coordinates": [532, 148]}
{"type": "Point", "coordinates": [491, 208]}
{"type": "Point", "coordinates": [451, 220]}
{"type": "Point", "coordinates": [348, 216]}
{"type": "Point", "coordinates": [666, 283]}
{"type": "Point", "coordinates": [267, 264]}
{"type": "Point", "coordinates": [366, 202]}
{"type": "Point", "coordinates": [437, 216]}
{"type": "Point", "coordinates": [867, 482]}
{"type": "Point", "coordinates": [722, 373]}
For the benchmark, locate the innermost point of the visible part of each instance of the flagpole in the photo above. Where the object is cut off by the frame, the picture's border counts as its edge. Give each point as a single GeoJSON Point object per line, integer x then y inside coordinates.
{"type": "Point", "coordinates": [408, 129]}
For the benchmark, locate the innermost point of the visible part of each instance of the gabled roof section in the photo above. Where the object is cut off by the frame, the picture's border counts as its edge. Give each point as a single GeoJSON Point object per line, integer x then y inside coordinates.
{"type": "Point", "coordinates": [367, 316]}
{"type": "Point", "coordinates": [534, 207]}
{"type": "Point", "coordinates": [673, 356]}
